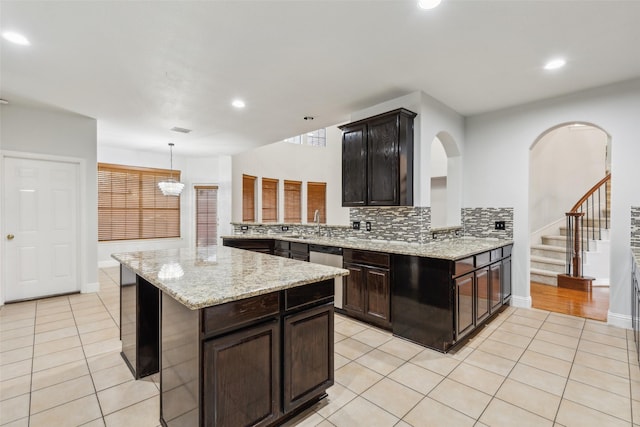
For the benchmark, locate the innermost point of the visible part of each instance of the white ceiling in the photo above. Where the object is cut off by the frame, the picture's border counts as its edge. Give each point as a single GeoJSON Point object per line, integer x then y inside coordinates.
{"type": "Point", "coordinates": [141, 68]}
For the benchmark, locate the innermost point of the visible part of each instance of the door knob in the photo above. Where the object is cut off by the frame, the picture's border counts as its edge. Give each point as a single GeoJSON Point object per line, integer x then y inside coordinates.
{"type": "Point", "coordinates": [10, 236]}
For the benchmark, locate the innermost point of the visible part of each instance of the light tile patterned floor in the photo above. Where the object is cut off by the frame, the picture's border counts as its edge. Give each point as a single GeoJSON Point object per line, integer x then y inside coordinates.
{"type": "Point", "coordinates": [60, 366]}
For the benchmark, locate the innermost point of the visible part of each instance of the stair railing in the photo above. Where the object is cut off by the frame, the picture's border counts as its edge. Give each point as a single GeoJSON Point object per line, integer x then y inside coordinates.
{"type": "Point", "coordinates": [593, 209]}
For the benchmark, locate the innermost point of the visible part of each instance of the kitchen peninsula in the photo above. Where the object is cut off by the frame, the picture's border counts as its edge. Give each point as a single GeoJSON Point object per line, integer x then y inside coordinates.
{"type": "Point", "coordinates": [435, 294]}
{"type": "Point", "coordinates": [245, 338]}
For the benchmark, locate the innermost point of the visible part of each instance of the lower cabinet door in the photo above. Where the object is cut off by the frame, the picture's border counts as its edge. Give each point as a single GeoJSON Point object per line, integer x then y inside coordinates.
{"type": "Point", "coordinates": [464, 305]}
{"type": "Point", "coordinates": [495, 285]}
{"type": "Point", "coordinates": [506, 280]}
{"type": "Point", "coordinates": [354, 288]}
{"type": "Point", "coordinates": [242, 377]}
{"type": "Point", "coordinates": [378, 295]}
{"type": "Point", "coordinates": [308, 355]}
{"type": "Point", "coordinates": [482, 294]}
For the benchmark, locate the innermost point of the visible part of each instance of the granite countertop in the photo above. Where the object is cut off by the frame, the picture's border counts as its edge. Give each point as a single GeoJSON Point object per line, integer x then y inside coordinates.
{"type": "Point", "coordinates": [215, 275]}
{"type": "Point", "coordinates": [443, 249]}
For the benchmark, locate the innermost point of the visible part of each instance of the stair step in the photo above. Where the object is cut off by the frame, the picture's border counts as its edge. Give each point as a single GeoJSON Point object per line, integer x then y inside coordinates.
{"type": "Point", "coordinates": [560, 241]}
{"type": "Point", "coordinates": [549, 264]}
{"type": "Point", "coordinates": [598, 232]}
{"type": "Point", "coordinates": [548, 251]}
{"type": "Point", "coordinates": [543, 276]}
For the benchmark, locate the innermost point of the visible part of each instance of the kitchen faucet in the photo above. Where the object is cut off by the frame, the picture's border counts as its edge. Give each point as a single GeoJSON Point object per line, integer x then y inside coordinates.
{"type": "Point", "coordinates": [316, 218]}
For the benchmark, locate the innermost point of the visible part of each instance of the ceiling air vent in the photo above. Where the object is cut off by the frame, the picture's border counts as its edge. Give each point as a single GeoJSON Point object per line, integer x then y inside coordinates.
{"type": "Point", "coordinates": [181, 130]}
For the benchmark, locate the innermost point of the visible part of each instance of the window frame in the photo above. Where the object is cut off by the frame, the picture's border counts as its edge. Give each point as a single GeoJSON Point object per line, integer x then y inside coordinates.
{"type": "Point", "coordinates": [312, 206]}
{"type": "Point", "coordinates": [246, 209]}
{"type": "Point", "coordinates": [129, 204]}
{"type": "Point", "coordinates": [292, 204]}
{"type": "Point", "coordinates": [207, 223]}
{"type": "Point", "coordinates": [269, 204]}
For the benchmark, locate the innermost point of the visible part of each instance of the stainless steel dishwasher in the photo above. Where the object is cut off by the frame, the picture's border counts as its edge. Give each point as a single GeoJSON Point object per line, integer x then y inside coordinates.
{"type": "Point", "coordinates": [331, 256]}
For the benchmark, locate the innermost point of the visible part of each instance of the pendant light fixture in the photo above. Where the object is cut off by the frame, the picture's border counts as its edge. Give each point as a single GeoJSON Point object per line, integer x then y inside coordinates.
{"type": "Point", "coordinates": [171, 187]}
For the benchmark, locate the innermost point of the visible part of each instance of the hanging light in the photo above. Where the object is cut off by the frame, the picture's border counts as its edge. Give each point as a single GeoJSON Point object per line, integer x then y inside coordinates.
{"type": "Point", "coordinates": [171, 187]}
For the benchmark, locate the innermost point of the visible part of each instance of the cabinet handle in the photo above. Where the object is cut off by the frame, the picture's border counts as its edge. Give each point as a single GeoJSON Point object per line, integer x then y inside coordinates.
{"type": "Point", "coordinates": [10, 236]}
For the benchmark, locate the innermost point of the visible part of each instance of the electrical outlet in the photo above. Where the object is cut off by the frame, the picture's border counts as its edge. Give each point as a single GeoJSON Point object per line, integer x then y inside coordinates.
{"type": "Point", "coordinates": [500, 225]}
{"type": "Point", "coordinates": [244, 227]}
{"type": "Point", "coordinates": [368, 225]}
{"type": "Point", "coordinates": [285, 228]}
{"type": "Point", "coordinates": [356, 225]}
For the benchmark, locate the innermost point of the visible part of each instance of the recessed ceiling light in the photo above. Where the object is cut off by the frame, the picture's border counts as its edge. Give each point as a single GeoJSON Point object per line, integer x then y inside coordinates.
{"type": "Point", "coordinates": [428, 4]}
{"type": "Point", "coordinates": [555, 64]}
{"type": "Point", "coordinates": [238, 103]}
{"type": "Point", "coordinates": [16, 38]}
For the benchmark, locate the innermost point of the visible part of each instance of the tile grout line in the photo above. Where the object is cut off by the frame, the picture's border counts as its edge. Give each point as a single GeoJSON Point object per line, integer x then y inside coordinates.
{"type": "Point", "coordinates": [86, 361]}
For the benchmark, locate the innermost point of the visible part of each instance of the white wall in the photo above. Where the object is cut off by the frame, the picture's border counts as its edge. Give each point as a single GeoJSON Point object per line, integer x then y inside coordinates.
{"type": "Point", "coordinates": [565, 163]}
{"type": "Point", "coordinates": [194, 171]}
{"type": "Point", "coordinates": [304, 163]}
{"type": "Point", "coordinates": [496, 172]}
{"type": "Point", "coordinates": [43, 130]}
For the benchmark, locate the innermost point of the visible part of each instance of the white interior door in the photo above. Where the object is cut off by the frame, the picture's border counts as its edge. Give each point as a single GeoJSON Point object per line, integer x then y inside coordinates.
{"type": "Point", "coordinates": [41, 228]}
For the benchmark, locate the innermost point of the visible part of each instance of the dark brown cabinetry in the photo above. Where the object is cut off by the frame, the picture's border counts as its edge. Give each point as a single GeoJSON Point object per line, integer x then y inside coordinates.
{"type": "Point", "coordinates": [263, 359]}
{"type": "Point", "coordinates": [308, 355]}
{"type": "Point", "coordinates": [264, 246]}
{"type": "Point", "coordinates": [243, 364]}
{"type": "Point", "coordinates": [437, 302]}
{"type": "Point", "coordinates": [139, 317]}
{"type": "Point", "coordinates": [367, 292]}
{"type": "Point", "coordinates": [294, 250]}
{"type": "Point", "coordinates": [377, 160]}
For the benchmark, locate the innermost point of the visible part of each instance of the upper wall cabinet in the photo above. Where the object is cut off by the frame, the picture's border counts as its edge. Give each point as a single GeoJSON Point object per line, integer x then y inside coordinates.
{"type": "Point", "coordinates": [377, 160]}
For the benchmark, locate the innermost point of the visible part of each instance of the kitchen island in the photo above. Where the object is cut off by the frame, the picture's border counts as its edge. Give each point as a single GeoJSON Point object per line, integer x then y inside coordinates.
{"type": "Point", "coordinates": [245, 338]}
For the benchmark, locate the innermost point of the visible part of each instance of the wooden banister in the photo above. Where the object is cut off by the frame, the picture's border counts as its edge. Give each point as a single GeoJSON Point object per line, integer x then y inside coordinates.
{"type": "Point", "coordinates": [590, 193]}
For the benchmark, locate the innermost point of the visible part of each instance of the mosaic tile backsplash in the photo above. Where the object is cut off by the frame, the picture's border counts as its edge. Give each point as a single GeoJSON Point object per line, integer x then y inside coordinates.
{"type": "Point", "coordinates": [480, 222]}
{"type": "Point", "coordinates": [410, 224]}
{"type": "Point", "coordinates": [635, 227]}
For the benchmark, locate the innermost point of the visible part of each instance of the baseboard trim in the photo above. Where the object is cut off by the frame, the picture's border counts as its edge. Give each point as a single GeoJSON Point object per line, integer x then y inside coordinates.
{"type": "Point", "coordinates": [90, 287]}
{"type": "Point", "coordinates": [619, 320]}
{"type": "Point", "coordinates": [108, 263]}
{"type": "Point", "coordinates": [521, 302]}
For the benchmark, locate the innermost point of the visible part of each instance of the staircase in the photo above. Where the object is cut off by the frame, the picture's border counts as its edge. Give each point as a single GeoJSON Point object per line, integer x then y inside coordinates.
{"type": "Point", "coordinates": [549, 257]}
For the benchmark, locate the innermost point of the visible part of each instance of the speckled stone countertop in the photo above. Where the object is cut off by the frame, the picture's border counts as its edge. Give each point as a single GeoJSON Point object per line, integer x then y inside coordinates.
{"type": "Point", "coordinates": [442, 249]}
{"type": "Point", "coordinates": [215, 275]}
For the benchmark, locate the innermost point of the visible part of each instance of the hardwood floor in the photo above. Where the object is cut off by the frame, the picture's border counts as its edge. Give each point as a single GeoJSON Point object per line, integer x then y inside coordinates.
{"type": "Point", "coordinates": [591, 305]}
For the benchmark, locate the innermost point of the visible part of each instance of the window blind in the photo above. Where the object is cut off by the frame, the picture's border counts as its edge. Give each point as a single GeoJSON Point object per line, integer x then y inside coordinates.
{"type": "Point", "coordinates": [206, 215]}
{"type": "Point", "coordinates": [317, 200]}
{"type": "Point", "coordinates": [292, 201]}
{"type": "Point", "coordinates": [269, 200]}
{"type": "Point", "coordinates": [131, 206]}
{"type": "Point", "coordinates": [248, 198]}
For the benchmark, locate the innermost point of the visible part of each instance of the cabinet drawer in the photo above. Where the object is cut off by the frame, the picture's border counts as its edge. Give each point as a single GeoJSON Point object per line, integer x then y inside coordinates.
{"type": "Point", "coordinates": [281, 245]}
{"type": "Point", "coordinates": [299, 247]}
{"type": "Point", "coordinates": [496, 254]}
{"type": "Point", "coordinates": [483, 259]}
{"type": "Point", "coordinates": [506, 250]}
{"type": "Point", "coordinates": [236, 313]}
{"type": "Point", "coordinates": [368, 258]}
{"type": "Point", "coordinates": [309, 294]}
{"type": "Point", "coordinates": [463, 266]}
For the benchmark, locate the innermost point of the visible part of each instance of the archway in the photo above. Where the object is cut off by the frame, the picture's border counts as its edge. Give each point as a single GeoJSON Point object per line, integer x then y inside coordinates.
{"type": "Point", "coordinates": [565, 162]}
{"type": "Point", "coordinates": [446, 180]}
